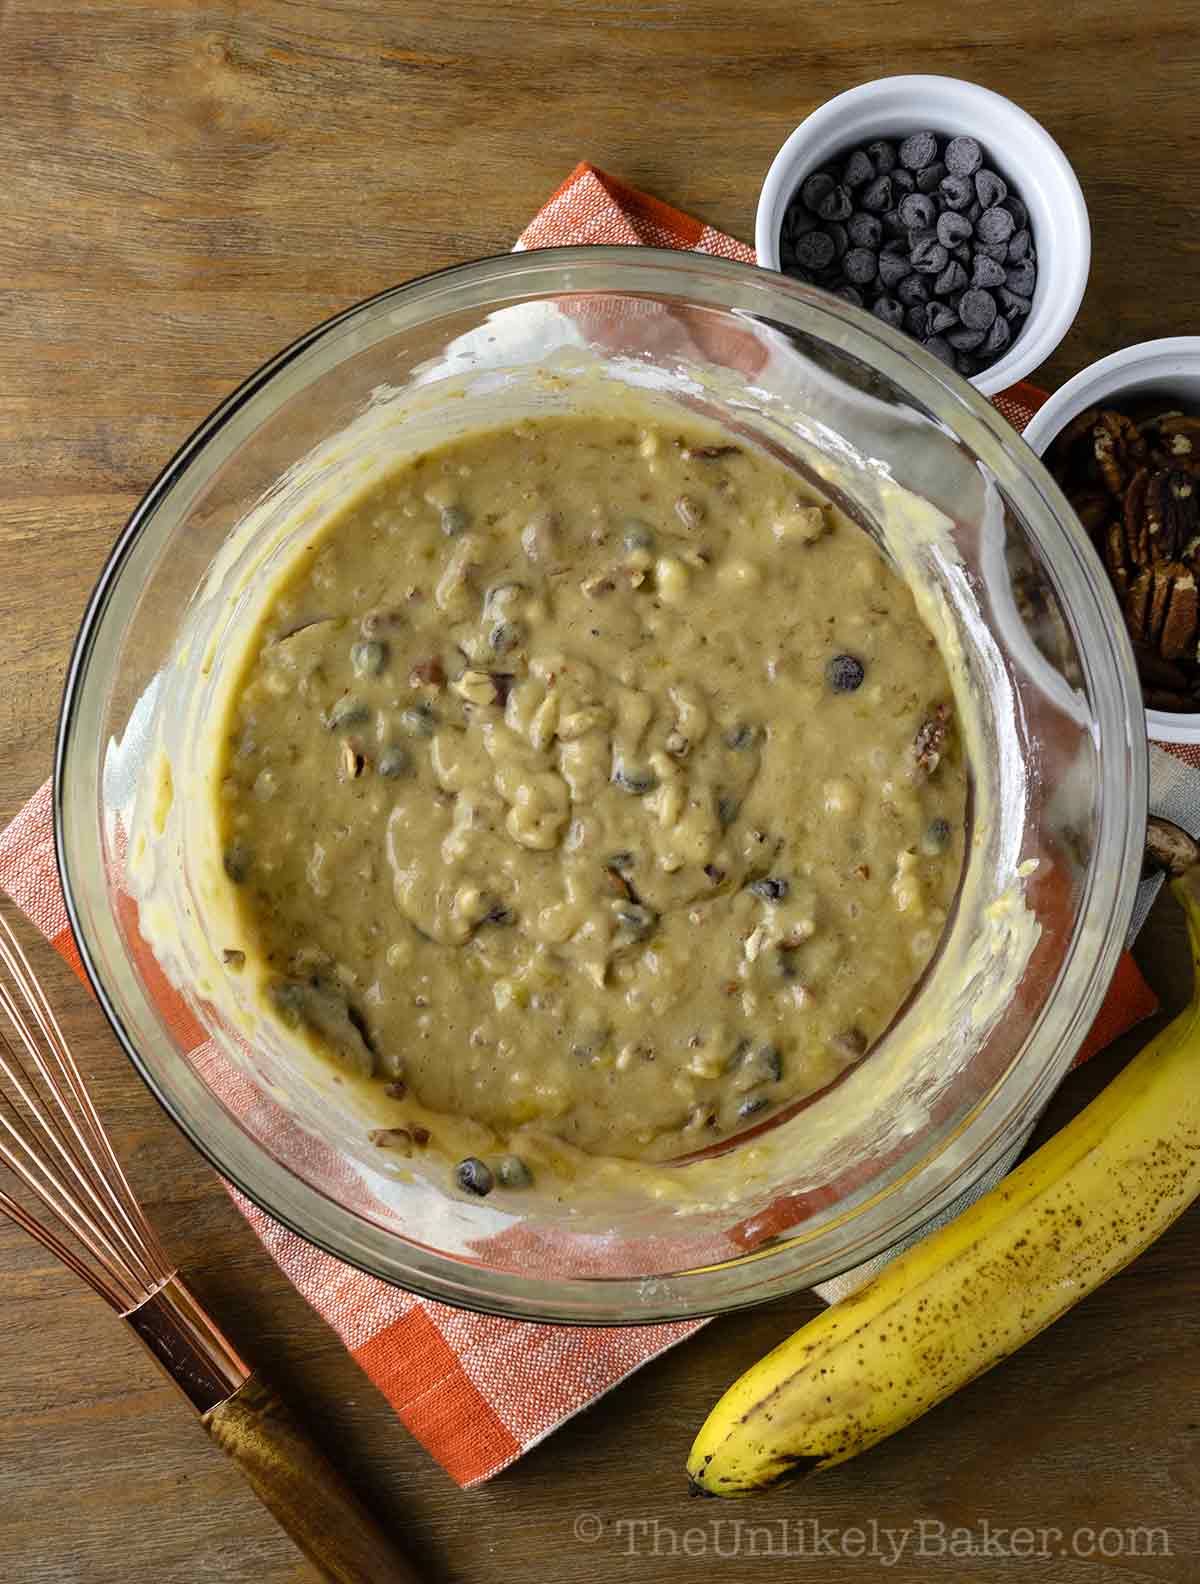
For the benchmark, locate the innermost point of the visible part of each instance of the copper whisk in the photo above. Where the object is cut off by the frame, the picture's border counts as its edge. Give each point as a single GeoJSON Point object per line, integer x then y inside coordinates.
{"type": "Point", "coordinates": [54, 1144]}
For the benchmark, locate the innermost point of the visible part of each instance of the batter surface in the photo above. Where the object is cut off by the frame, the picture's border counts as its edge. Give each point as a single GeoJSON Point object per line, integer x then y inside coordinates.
{"type": "Point", "coordinates": [593, 777]}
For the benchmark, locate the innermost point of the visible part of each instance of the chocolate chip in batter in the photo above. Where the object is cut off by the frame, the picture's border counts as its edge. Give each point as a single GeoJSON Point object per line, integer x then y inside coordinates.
{"type": "Point", "coordinates": [638, 535]}
{"type": "Point", "coordinates": [751, 1105]}
{"type": "Point", "coordinates": [348, 711]}
{"type": "Point", "coordinates": [504, 637]}
{"type": "Point", "coordinates": [394, 763]}
{"type": "Point", "coordinates": [936, 837]}
{"type": "Point", "coordinates": [845, 673]}
{"type": "Point", "coordinates": [635, 782]}
{"type": "Point", "coordinates": [475, 1176]}
{"type": "Point", "coordinates": [369, 657]}
{"type": "Point", "coordinates": [770, 888]}
{"type": "Point", "coordinates": [741, 736]}
{"type": "Point", "coordinates": [454, 521]}
{"type": "Point", "coordinates": [850, 1043]}
{"type": "Point", "coordinates": [237, 862]}
{"type": "Point", "coordinates": [512, 1172]}
{"type": "Point", "coordinates": [417, 721]}
{"type": "Point", "coordinates": [636, 922]}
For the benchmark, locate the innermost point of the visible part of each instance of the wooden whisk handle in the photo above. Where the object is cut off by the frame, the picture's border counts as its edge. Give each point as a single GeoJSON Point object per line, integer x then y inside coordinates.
{"type": "Point", "coordinates": [296, 1483]}
{"type": "Point", "coordinates": [289, 1474]}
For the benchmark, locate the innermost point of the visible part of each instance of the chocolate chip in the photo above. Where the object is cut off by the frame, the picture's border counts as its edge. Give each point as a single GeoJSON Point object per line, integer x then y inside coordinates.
{"type": "Point", "coordinates": [859, 170]}
{"type": "Point", "coordinates": [957, 192]}
{"type": "Point", "coordinates": [903, 182]}
{"type": "Point", "coordinates": [964, 339]}
{"type": "Point", "coordinates": [928, 180]}
{"type": "Point", "coordinates": [941, 349]}
{"type": "Point", "coordinates": [917, 211]}
{"type": "Point", "coordinates": [996, 251]}
{"type": "Point", "coordinates": [893, 267]}
{"type": "Point", "coordinates": [940, 317]}
{"type": "Point", "coordinates": [952, 279]}
{"type": "Point", "coordinates": [839, 236]}
{"type": "Point", "coordinates": [990, 189]}
{"type": "Point", "coordinates": [889, 310]}
{"type": "Point", "coordinates": [770, 888]}
{"type": "Point", "coordinates": [963, 156]}
{"type": "Point", "coordinates": [394, 763]}
{"type": "Point", "coordinates": [998, 336]}
{"type": "Point", "coordinates": [976, 310]}
{"type": "Point", "coordinates": [844, 673]}
{"type": "Point", "coordinates": [919, 150]}
{"type": "Point", "coordinates": [913, 289]}
{"type": "Point", "coordinates": [865, 230]}
{"type": "Point", "coordinates": [851, 1043]}
{"type": "Point", "coordinates": [637, 923]}
{"type": "Point", "coordinates": [893, 226]}
{"type": "Point", "coordinates": [849, 294]}
{"type": "Point", "coordinates": [815, 251]}
{"type": "Point", "coordinates": [751, 1105]}
{"type": "Point", "coordinates": [637, 782]}
{"type": "Point", "coordinates": [727, 810]}
{"type": "Point", "coordinates": [952, 228]}
{"type": "Point", "coordinates": [985, 272]}
{"type": "Point", "coordinates": [1013, 306]}
{"type": "Point", "coordinates": [741, 736]}
{"type": "Point", "coordinates": [348, 711]}
{"type": "Point", "coordinates": [1018, 246]}
{"type": "Point", "coordinates": [994, 225]}
{"type": "Point", "coordinates": [236, 862]}
{"type": "Point", "coordinates": [454, 520]}
{"type": "Point", "coordinates": [929, 256]}
{"type": "Point", "coordinates": [882, 155]}
{"type": "Point", "coordinates": [1018, 211]}
{"type": "Point", "coordinates": [836, 204]}
{"type": "Point", "coordinates": [512, 1172]}
{"type": "Point", "coordinates": [936, 837]}
{"type": "Point", "coordinates": [915, 319]}
{"type": "Point", "coordinates": [860, 265]}
{"type": "Point", "coordinates": [1022, 278]}
{"type": "Point", "coordinates": [798, 220]}
{"type": "Point", "coordinates": [814, 188]}
{"type": "Point", "coordinates": [475, 1176]}
{"type": "Point", "coordinates": [368, 657]}
{"type": "Point", "coordinates": [877, 195]}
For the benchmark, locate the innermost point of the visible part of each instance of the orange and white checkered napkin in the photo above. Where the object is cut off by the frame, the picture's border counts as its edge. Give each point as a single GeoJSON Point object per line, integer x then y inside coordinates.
{"type": "Point", "coordinates": [479, 1391]}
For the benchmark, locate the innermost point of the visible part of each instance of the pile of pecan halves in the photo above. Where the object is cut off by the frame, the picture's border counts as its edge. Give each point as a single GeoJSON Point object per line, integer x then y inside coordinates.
{"type": "Point", "coordinates": [1136, 488]}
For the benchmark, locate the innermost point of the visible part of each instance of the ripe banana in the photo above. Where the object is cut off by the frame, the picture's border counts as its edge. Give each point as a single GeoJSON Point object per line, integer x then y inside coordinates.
{"type": "Point", "coordinates": [1084, 1205]}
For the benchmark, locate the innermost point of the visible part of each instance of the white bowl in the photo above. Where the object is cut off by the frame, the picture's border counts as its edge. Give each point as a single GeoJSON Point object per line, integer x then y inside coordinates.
{"type": "Point", "coordinates": [1170, 367]}
{"type": "Point", "coordinates": [1015, 146]}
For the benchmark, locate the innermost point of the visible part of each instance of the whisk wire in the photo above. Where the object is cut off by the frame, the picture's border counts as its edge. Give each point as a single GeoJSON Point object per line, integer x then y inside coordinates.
{"type": "Point", "coordinates": [78, 1177]}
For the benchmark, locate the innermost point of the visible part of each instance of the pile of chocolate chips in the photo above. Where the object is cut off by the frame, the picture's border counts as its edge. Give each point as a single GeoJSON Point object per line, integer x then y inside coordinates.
{"type": "Point", "coordinates": [926, 236]}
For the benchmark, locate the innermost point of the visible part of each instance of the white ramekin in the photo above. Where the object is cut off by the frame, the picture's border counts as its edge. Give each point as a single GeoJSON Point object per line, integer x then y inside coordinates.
{"type": "Point", "coordinates": [1015, 145]}
{"type": "Point", "coordinates": [1167, 368]}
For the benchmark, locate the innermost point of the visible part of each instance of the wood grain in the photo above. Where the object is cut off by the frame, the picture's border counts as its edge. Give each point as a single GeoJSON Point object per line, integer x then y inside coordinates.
{"type": "Point", "coordinates": [189, 184]}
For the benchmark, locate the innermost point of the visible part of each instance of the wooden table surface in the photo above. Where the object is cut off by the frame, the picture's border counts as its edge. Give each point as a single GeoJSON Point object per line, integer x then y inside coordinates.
{"type": "Point", "coordinates": [187, 187]}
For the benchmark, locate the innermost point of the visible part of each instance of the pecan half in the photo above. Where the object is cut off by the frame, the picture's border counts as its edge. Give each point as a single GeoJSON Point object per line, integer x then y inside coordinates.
{"type": "Point", "coordinates": [1180, 435]}
{"type": "Point", "coordinates": [1115, 557]}
{"type": "Point", "coordinates": [1172, 512]}
{"type": "Point", "coordinates": [1118, 449]}
{"type": "Point", "coordinates": [1177, 640]}
{"type": "Point", "coordinates": [1093, 509]}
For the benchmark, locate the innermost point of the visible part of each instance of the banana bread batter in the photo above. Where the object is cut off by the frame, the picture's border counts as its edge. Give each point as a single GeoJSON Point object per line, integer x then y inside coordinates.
{"type": "Point", "coordinates": [595, 777]}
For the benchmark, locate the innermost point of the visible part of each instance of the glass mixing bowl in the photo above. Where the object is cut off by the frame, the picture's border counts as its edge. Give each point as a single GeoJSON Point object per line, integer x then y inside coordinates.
{"type": "Point", "coordinates": [1059, 770]}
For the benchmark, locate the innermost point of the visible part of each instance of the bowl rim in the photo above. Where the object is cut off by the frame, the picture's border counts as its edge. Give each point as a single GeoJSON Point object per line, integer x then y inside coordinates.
{"type": "Point", "coordinates": [1110, 375]}
{"type": "Point", "coordinates": [1028, 352]}
{"type": "Point", "coordinates": [1109, 892]}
